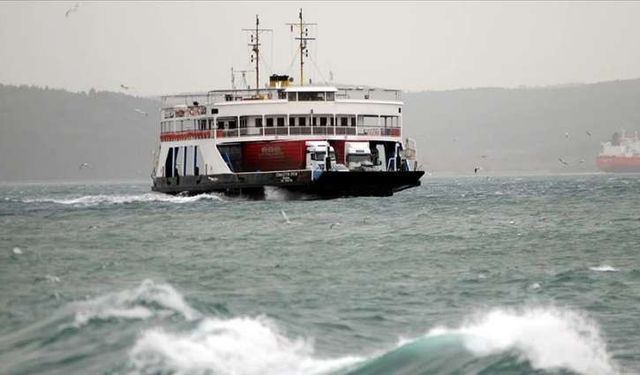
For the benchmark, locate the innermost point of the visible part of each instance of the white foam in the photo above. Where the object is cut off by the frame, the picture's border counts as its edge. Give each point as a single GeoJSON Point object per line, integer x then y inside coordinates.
{"type": "Point", "coordinates": [145, 301]}
{"type": "Point", "coordinates": [17, 251]}
{"type": "Point", "coordinates": [603, 268]}
{"type": "Point", "coordinates": [235, 346]}
{"type": "Point", "coordinates": [94, 200]}
{"type": "Point", "coordinates": [548, 338]}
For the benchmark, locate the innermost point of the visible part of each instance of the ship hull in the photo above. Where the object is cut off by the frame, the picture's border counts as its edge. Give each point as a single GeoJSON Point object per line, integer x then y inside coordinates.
{"type": "Point", "coordinates": [312, 185]}
{"type": "Point", "coordinates": [618, 164]}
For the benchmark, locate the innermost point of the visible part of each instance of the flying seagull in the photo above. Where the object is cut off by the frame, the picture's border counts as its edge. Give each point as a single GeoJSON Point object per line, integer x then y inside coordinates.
{"type": "Point", "coordinates": [476, 169]}
{"type": "Point", "coordinates": [74, 8]}
{"type": "Point", "coordinates": [141, 112]}
{"type": "Point", "coordinates": [588, 133]}
{"type": "Point", "coordinates": [124, 86]}
{"type": "Point", "coordinates": [566, 135]}
{"type": "Point", "coordinates": [563, 162]}
{"type": "Point", "coordinates": [83, 165]}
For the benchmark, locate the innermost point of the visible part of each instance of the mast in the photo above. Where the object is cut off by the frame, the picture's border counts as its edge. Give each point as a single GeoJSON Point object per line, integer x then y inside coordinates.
{"type": "Point", "coordinates": [303, 38]}
{"type": "Point", "coordinates": [255, 48]}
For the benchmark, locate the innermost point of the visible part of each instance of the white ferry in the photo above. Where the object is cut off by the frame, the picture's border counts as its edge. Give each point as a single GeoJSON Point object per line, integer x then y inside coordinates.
{"type": "Point", "coordinates": [321, 140]}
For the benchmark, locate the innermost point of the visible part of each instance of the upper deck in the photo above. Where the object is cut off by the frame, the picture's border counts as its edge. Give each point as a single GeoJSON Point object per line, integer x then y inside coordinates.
{"type": "Point", "coordinates": [275, 113]}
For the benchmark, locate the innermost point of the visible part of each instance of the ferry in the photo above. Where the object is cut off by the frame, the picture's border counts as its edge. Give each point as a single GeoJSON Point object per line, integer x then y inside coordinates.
{"type": "Point", "coordinates": [324, 141]}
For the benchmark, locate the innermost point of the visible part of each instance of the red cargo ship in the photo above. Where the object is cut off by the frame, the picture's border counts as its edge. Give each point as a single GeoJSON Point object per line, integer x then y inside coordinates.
{"type": "Point", "coordinates": [620, 155]}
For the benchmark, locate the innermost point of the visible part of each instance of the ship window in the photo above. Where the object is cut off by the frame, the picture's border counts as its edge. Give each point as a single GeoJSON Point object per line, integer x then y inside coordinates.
{"type": "Point", "coordinates": [292, 96]}
{"type": "Point", "coordinates": [269, 123]}
{"type": "Point", "coordinates": [323, 121]}
{"type": "Point", "coordinates": [344, 121]}
{"type": "Point", "coordinates": [259, 122]}
{"type": "Point", "coordinates": [331, 120]}
{"type": "Point", "coordinates": [331, 96]}
{"type": "Point", "coordinates": [210, 123]}
{"type": "Point", "coordinates": [232, 124]}
{"type": "Point", "coordinates": [292, 121]}
{"type": "Point", "coordinates": [214, 111]}
{"type": "Point", "coordinates": [302, 121]}
{"type": "Point", "coordinates": [311, 96]}
{"type": "Point", "coordinates": [353, 121]}
{"type": "Point", "coordinates": [243, 122]}
{"type": "Point", "coordinates": [314, 121]}
{"type": "Point", "coordinates": [280, 121]}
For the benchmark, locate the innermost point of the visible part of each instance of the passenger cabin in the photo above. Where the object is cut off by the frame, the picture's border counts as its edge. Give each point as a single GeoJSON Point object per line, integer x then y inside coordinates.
{"type": "Point", "coordinates": [283, 111]}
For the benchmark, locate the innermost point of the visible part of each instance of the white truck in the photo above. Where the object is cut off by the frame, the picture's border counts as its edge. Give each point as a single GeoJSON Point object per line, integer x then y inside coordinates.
{"type": "Point", "coordinates": [358, 157]}
{"type": "Point", "coordinates": [317, 156]}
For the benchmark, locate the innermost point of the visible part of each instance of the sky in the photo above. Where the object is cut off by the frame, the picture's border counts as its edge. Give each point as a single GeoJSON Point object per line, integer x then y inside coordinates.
{"type": "Point", "coordinates": [169, 47]}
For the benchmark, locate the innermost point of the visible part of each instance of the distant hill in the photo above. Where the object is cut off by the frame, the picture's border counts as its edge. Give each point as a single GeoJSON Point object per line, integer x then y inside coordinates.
{"type": "Point", "coordinates": [520, 130]}
{"type": "Point", "coordinates": [47, 134]}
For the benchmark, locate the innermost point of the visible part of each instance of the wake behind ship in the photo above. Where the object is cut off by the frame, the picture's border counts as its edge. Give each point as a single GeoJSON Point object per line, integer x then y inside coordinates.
{"type": "Point", "coordinates": [322, 140]}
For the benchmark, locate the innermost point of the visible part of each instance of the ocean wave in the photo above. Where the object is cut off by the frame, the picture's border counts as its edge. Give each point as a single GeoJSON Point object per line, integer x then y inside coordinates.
{"type": "Point", "coordinates": [147, 300]}
{"type": "Point", "coordinates": [524, 341]}
{"type": "Point", "coordinates": [94, 200]}
{"type": "Point", "coordinates": [548, 338]}
{"type": "Point", "coordinates": [233, 346]}
{"type": "Point", "coordinates": [604, 268]}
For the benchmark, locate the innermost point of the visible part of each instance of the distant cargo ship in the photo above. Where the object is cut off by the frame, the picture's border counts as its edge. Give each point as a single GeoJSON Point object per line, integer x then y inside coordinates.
{"type": "Point", "coordinates": [323, 140]}
{"type": "Point", "coordinates": [621, 154]}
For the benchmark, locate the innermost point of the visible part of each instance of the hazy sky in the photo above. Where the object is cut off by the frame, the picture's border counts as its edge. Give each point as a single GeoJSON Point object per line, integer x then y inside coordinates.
{"type": "Point", "coordinates": [166, 47]}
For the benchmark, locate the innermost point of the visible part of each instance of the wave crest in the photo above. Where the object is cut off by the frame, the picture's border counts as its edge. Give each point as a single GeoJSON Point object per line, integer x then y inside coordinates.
{"type": "Point", "coordinates": [547, 338]}
{"type": "Point", "coordinates": [147, 300]}
{"type": "Point", "coordinates": [234, 346]}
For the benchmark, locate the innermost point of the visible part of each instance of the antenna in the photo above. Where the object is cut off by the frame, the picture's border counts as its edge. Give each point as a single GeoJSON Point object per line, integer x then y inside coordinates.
{"type": "Point", "coordinates": [255, 47]}
{"type": "Point", "coordinates": [303, 38]}
{"type": "Point", "coordinates": [244, 77]}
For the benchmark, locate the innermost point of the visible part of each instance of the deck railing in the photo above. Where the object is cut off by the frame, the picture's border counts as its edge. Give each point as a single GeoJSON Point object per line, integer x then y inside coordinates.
{"type": "Point", "coordinates": [280, 131]}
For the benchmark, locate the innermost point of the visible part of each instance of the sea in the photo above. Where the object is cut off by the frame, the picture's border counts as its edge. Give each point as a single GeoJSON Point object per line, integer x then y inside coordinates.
{"type": "Point", "coordinates": [462, 275]}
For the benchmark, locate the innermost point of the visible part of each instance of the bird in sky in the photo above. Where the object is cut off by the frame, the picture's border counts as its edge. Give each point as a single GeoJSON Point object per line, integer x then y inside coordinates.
{"type": "Point", "coordinates": [74, 8]}
{"type": "Point", "coordinates": [83, 165]}
{"type": "Point", "coordinates": [588, 133]}
{"type": "Point", "coordinates": [125, 87]}
{"type": "Point", "coordinates": [141, 112]}
{"type": "Point", "coordinates": [566, 134]}
{"type": "Point", "coordinates": [563, 162]}
{"type": "Point", "coordinates": [476, 169]}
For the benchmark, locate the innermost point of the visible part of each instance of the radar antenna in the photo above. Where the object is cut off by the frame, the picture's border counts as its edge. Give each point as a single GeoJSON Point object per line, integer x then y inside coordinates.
{"type": "Point", "coordinates": [303, 38]}
{"type": "Point", "coordinates": [255, 47]}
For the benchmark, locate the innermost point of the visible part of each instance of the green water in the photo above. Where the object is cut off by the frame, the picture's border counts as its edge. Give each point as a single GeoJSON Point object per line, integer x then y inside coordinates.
{"type": "Point", "coordinates": [510, 275]}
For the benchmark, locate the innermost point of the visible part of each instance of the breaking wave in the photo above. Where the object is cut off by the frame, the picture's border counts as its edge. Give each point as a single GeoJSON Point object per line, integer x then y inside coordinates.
{"type": "Point", "coordinates": [537, 339]}
{"type": "Point", "coordinates": [234, 346]}
{"type": "Point", "coordinates": [147, 300]}
{"type": "Point", "coordinates": [94, 200]}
